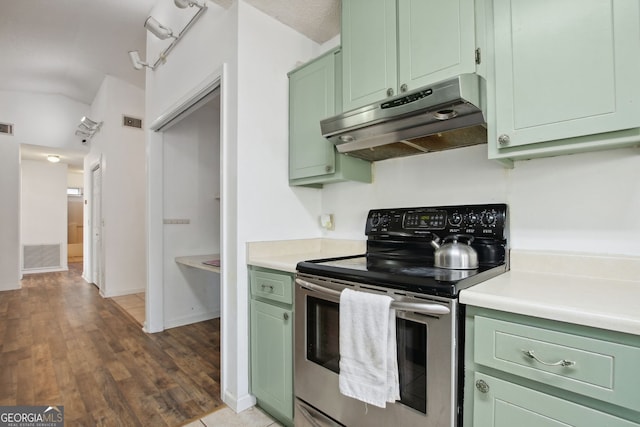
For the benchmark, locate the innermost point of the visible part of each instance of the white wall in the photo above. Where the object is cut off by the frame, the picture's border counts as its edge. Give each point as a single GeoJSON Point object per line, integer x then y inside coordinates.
{"type": "Point", "coordinates": [43, 119]}
{"type": "Point", "coordinates": [579, 203]}
{"type": "Point", "coordinates": [75, 179]}
{"type": "Point", "coordinates": [120, 151]}
{"type": "Point", "coordinates": [191, 175]}
{"type": "Point", "coordinates": [38, 119]}
{"type": "Point", "coordinates": [43, 207]}
{"type": "Point", "coordinates": [9, 213]}
{"type": "Point", "coordinates": [256, 52]}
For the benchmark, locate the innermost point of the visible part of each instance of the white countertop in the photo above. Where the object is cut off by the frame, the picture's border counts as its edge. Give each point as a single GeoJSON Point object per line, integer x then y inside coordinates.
{"type": "Point", "coordinates": [590, 290]}
{"type": "Point", "coordinates": [197, 261]}
{"type": "Point", "coordinates": [284, 255]}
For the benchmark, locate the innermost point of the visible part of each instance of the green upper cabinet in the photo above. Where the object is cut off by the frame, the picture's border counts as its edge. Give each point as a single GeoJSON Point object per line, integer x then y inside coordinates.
{"type": "Point", "coordinates": [312, 97]}
{"type": "Point", "coordinates": [390, 46]}
{"type": "Point", "coordinates": [564, 69]}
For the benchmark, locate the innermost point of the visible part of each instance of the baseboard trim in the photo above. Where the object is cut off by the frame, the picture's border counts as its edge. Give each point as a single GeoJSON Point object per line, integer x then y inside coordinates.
{"type": "Point", "coordinates": [238, 404]}
{"type": "Point", "coordinates": [123, 292]}
{"type": "Point", "coordinates": [192, 318]}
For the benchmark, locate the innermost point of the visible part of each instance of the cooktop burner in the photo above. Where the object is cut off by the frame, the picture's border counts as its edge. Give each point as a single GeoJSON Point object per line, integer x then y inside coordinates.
{"type": "Point", "coordinates": [400, 252]}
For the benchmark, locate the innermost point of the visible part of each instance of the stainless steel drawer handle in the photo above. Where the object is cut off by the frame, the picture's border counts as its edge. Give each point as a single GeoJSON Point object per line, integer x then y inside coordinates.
{"type": "Point", "coordinates": [563, 362]}
{"type": "Point", "coordinates": [269, 287]}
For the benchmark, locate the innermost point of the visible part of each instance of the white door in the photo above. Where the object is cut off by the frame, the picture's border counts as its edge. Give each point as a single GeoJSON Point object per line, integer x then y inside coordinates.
{"type": "Point", "coordinates": [96, 226]}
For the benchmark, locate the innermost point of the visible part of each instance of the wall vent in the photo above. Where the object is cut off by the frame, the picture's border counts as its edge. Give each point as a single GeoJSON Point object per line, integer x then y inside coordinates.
{"type": "Point", "coordinates": [131, 122]}
{"type": "Point", "coordinates": [40, 256]}
{"type": "Point", "coordinates": [6, 128]}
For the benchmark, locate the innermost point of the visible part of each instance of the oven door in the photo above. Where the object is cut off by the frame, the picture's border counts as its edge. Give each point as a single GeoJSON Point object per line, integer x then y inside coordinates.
{"type": "Point", "coordinates": [427, 358]}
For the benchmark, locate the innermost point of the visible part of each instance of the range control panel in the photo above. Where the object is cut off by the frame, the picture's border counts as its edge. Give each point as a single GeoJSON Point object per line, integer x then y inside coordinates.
{"type": "Point", "coordinates": [475, 220]}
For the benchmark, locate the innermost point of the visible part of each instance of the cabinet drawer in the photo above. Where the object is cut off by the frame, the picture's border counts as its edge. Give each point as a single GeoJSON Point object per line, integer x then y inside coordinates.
{"type": "Point", "coordinates": [272, 285]}
{"type": "Point", "coordinates": [500, 403]}
{"type": "Point", "coordinates": [596, 368]}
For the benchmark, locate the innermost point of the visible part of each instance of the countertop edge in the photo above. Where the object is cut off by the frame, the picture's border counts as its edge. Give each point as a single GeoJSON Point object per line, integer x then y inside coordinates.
{"type": "Point", "coordinates": [196, 261]}
{"type": "Point", "coordinates": [569, 295]}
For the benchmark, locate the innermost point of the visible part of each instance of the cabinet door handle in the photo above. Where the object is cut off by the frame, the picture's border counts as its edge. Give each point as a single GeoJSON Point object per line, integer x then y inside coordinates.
{"type": "Point", "coordinates": [564, 362]}
{"type": "Point", "coordinates": [504, 139]}
{"type": "Point", "coordinates": [482, 386]}
{"type": "Point", "coordinates": [269, 287]}
{"type": "Point", "coordinates": [404, 87]}
{"type": "Point", "coordinates": [286, 316]}
{"type": "Point", "coordinates": [390, 91]}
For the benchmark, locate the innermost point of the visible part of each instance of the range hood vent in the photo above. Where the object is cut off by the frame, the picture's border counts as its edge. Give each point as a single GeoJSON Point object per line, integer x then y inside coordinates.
{"type": "Point", "coordinates": [436, 118]}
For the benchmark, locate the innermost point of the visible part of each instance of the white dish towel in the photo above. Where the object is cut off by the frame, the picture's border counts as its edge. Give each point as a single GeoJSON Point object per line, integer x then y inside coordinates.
{"type": "Point", "coordinates": [368, 358]}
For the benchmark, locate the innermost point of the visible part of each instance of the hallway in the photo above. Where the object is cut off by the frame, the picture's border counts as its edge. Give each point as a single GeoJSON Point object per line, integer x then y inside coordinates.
{"type": "Point", "coordinates": [62, 344]}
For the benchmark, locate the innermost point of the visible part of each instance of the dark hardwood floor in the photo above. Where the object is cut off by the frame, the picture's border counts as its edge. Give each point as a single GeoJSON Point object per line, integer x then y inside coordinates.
{"type": "Point", "coordinates": [63, 344]}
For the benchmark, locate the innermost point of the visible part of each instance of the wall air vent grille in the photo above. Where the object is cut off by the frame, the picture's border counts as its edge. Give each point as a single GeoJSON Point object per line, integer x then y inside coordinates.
{"type": "Point", "coordinates": [131, 122]}
{"type": "Point", "coordinates": [6, 128]}
{"type": "Point", "coordinates": [40, 256]}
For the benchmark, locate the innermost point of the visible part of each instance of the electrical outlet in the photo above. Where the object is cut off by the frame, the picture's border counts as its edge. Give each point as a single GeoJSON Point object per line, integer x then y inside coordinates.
{"type": "Point", "coordinates": [326, 221]}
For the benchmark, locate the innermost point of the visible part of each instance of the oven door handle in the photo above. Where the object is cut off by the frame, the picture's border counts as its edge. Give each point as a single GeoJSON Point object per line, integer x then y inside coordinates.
{"type": "Point", "coordinates": [416, 307]}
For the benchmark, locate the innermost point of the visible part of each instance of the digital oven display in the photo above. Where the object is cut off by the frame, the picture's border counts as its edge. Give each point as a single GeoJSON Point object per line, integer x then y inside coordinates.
{"type": "Point", "coordinates": [432, 220]}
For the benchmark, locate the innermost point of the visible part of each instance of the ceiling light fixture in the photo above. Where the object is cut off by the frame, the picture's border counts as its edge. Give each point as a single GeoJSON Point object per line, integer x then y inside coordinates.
{"type": "Point", "coordinates": [162, 32]}
{"type": "Point", "coordinates": [182, 4]}
{"type": "Point", "coordinates": [157, 29]}
{"type": "Point", "coordinates": [53, 158]}
{"type": "Point", "coordinates": [87, 128]}
{"type": "Point", "coordinates": [137, 63]}
{"type": "Point", "coordinates": [89, 124]}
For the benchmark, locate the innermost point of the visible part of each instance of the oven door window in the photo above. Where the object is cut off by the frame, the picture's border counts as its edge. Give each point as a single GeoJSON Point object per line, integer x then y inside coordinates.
{"type": "Point", "coordinates": [323, 326]}
{"type": "Point", "coordinates": [411, 340]}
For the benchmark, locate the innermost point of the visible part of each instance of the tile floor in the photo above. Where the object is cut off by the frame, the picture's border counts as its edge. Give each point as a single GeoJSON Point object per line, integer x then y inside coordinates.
{"type": "Point", "coordinates": [132, 304]}
{"type": "Point", "coordinates": [252, 417]}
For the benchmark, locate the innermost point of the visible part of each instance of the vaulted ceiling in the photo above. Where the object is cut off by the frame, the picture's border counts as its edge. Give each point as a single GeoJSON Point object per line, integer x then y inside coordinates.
{"type": "Point", "coordinates": [67, 46]}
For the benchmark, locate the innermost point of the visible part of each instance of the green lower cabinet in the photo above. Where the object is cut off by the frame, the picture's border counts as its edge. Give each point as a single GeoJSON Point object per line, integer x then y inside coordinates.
{"type": "Point", "coordinates": [531, 372]}
{"type": "Point", "coordinates": [500, 403]}
{"type": "Point", "coordinates": [272, 343]}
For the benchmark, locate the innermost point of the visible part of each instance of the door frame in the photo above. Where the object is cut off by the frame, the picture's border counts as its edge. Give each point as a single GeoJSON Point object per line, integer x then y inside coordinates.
{"type": "Point", "coordinates": [96, 251]}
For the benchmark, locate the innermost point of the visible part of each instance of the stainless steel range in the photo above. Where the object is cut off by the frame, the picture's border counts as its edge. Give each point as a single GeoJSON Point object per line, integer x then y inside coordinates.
{"type": "Point", "coordinates": [422, 258]}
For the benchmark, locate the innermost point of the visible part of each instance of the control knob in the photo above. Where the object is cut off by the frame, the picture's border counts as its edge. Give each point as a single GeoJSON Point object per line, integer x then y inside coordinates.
{"type": "Point", "coordinates": [375, 219]}
{"type": "Point", "coordinates": [489, 218]}
{"type": "Point", "coordinates": [472, 218]}
{"type": "Point", "coordinates": [456, 219]}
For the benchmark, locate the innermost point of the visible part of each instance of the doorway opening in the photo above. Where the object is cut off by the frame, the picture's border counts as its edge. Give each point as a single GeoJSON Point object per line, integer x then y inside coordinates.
{"type": "Point", "coordinates": [75, 224]}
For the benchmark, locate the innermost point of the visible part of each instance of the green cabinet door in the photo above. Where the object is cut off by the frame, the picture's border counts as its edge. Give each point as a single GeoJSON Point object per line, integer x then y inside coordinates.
{"type": "Point", "coordinates": [313, 160]}
{"type": "Point", "coordinates": [436, 41]}
{"type": "Point", "coordinates": [564, 69]}
{"type": "Point", "coordinates": [369, 48]}
{"type": "Point", "coordinates": [391, 47]}
{"type": "Point", "coordinates": [498, 403]}
{"type": "Point", "coordinates": [272, 358]}
{"type": "Point", "coordinates": [311, 98]}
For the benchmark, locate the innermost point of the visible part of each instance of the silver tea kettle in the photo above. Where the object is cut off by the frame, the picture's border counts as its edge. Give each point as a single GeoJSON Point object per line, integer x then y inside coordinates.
{"type": "Point", "coordinates": [453, 254]}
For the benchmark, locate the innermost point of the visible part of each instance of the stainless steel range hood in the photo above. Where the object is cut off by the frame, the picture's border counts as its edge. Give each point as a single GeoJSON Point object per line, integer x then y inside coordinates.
{"type": "Point", "coordinates": [440, 117]}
